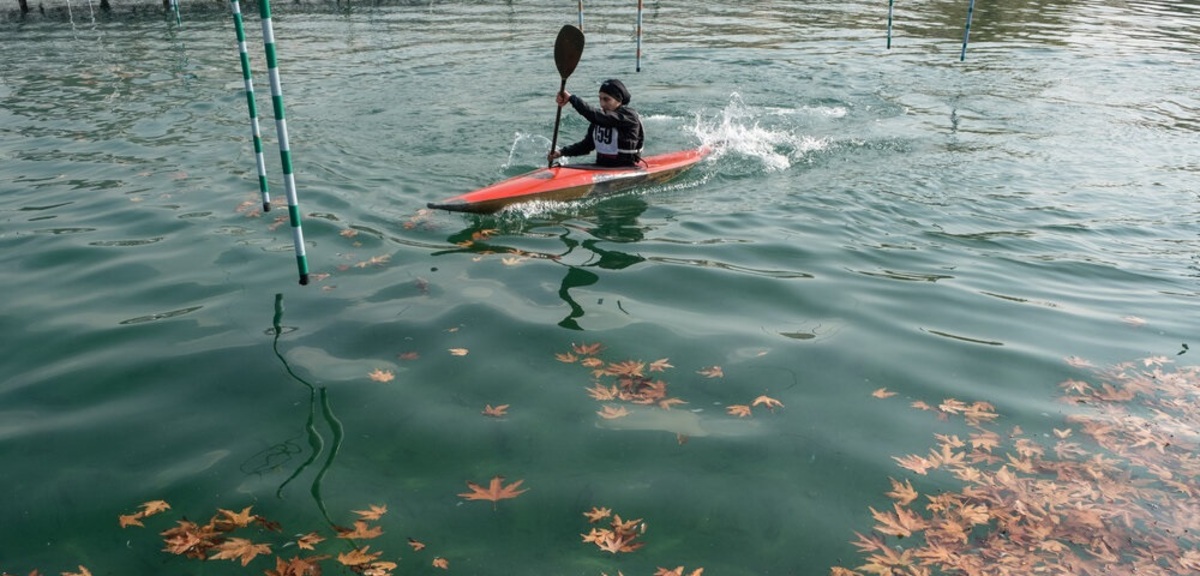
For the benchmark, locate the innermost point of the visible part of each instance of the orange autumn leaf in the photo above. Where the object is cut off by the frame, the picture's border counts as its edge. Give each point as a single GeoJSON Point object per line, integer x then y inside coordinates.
{"type": "Point", "coordinates": [678, 571]}
{"type": "Point", "coordinates": [768, 402]}
{"type": "Point", "coordinates": [597, 514]}
{"type": "Point", "coordinates": [374, 513]}
{"type": "Point", "coordinates": [458, 351]}
{"type": "Point", "coordinates": [239, 549]}
{"type": "Point", "coordinates": [739, 410]}
{"type": "Point", "coordinates": [903, 494]}
{"type": "Point", "coordinates": [127, 520]}
{"type": "Point", "coordinates": [154, 507]}
{"type": "Point", "coordinates": [611, 412]}
{"type": "Point", "coordinates": [361, 530]}
{"type": "Point", "coordinates": [660, 365]}
{"type": "Point", "coordinates": [379, 375]}
{"type": "Point", "coordinates": [883, 393]}
{"type": "Point", "coordinates": [591, 362]}
{"type": "Point", "coordinates": [416, 545]}
{"type": "Point", "coordinates": [587, 349]}
{"type": "Point", "coordinates": [495, 491]}
{"type": "Point", "coordinates": [236, 519]}
{"type": "Point", "coordinates": [566, 358]}
{"type": "Point", "coordinates": [666, 403]}
{"type": "Point", "coordinates": [82, 572]}
{"type": "Point", "coordinates": [309, 541]}
{"type": "Point", "coordinates": [712, 372]}
{"type": "Point", "coordinates": [627, 368]}
{"type": "Point", "coordinates": [495, 411]}
{"type": "Point", "coordinates": [602, 393]}
{"type": "Point", "coordinates": [902, 522]}
{"type": "Point", "coordinates": [442, 563]}
{"type": "Point", "coordinates": [358, 557]}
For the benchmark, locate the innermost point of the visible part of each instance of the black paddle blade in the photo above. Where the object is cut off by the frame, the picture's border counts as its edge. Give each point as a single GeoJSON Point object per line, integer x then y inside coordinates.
{"type": "Point", "coordinates": [568, 49]}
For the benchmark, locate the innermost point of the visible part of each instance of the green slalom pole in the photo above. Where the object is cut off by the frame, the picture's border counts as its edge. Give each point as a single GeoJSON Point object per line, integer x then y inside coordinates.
{"type": "Point", "coordinates": [285, 153]}
{"type": "Point", "coordinates": [967, 32]}
{"type": "Point", "coordinates": [889, 29]}
{"type": "Point", "coordinates": [581, 14]}
{"type": "Point", "coordinates": [249, 82]}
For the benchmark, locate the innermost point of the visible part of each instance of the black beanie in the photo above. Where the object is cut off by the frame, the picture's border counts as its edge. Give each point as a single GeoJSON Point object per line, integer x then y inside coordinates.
{"type": "Point", "coordinates": [616, 89]}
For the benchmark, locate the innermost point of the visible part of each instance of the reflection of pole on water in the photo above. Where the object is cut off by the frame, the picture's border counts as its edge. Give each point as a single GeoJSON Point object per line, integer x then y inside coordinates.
{"type": "Point", "coordinates": [316, 442]}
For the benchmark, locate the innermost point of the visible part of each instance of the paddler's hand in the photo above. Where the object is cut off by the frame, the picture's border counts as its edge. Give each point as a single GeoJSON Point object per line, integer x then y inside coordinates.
{"type": "Point", "coordinates": [562, 98]}
{"type": "Point", "coordinates": [553, 155]}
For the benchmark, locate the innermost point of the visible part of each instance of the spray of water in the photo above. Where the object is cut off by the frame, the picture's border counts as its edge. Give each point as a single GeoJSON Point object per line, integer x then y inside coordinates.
{"type": "Point", "coordinates": [770, 138]}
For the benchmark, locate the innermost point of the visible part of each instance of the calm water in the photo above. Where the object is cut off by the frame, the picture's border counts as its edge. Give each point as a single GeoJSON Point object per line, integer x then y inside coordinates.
{"type": "Point", "coordinates": [872, 219]}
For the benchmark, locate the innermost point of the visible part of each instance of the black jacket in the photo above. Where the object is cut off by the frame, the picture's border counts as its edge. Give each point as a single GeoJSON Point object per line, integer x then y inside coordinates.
{"type": "Point", "coordinates": [624, 122]}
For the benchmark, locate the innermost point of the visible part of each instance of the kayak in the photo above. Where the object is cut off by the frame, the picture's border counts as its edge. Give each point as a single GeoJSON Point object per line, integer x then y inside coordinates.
{"type": "Point", "coordinates": [573, 182]}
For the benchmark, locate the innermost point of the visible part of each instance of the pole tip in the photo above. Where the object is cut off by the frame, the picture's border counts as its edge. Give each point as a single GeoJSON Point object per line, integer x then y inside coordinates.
{"type": "Point", "coordinates": [304, 279]}
{"type": "Point", "coordinates": [266, 206]}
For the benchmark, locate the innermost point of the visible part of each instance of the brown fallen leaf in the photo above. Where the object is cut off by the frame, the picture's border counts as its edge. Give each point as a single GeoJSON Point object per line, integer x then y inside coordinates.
{"type": "Point", "coordinates": [458, 351]}
{"type": "Point", "coordinates": [712, 372]}
{"type": "Point", "coordinates": [239, 549]}
{"type": "Point", "coordinates": [442, 563]}
{"type": "Point", "coordinates": [361, 531]}
{"type": "Point", "coordinates": [495, 491]}
{"type": "Point", "coordinates": [767, 401]}
{"type": "Point", "coordinates": [379, 375]}
{"type": "Point", "coordinates": [127, 520]}
{"type": "Point", "coordinates": [309, 541]}
{"type": "Point", "coordinates": [495, 411]}
{"type": "Point", "coordinates": [416, 545]}
{"type": "Point", "coordinates": [374, 513]}
{"type": "Point", "coordinates": [82, 572]}
{"type": "Point", "coordinates": [597, 514]}
{"type": "Point", "coordinates": [739, 410]}
{"type": "Point", "coordinates": [883, 393]}
{"type": "Point", "coordinates": [358, 557]}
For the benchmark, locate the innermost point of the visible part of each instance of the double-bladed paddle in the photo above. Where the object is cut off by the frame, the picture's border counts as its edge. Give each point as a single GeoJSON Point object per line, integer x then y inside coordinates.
{"type": "Point", "coordinates": [568, 49]}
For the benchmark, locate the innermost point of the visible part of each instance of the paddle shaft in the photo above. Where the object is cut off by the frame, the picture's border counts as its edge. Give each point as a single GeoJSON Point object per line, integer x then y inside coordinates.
{"type": "Point", "coordinates": [557, 121]}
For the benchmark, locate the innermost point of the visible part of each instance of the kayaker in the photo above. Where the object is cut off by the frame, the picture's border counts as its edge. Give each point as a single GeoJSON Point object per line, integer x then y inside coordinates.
{"type": "Point", "coordinates": [615, 132]}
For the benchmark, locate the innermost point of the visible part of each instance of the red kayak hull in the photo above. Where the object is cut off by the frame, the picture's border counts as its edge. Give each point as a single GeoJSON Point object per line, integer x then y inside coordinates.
{"type": "Point", "coordinates": [573, 182]}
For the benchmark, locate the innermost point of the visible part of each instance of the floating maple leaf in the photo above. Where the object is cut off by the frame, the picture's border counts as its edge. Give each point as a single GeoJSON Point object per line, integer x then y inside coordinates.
{"type": "Point", "coordinates": [903, 494]}
{"type": "Point", "coordinates": [495, 411]}
{"type": "Point", "coordinates": [678, 571]}
{"type": "Point", "coordinates": [416, 545]}
{"type": "Point", "coordinates": [379, 375]}
{"type": "Point", "coordinates": [566, 357]}
{"type": "Point", "coordinates": [587, 349]}
{"type": "Point", "coordinates": [127, 520]}
{"type": "Point", "coordinates": [358, 557]}
{"type": "Point", "coordinates": [495, 491]}
{"type": "Point", "coordinates": [361, 531]}
{"type": "Point", "coordinates": [239, 549]}
{"type": "Point", "coordinates": [154, 507]}
{"type": "Point", "coordinates": [767, 401]}
{"type": "Point", "coordinates": [458, 351]}
{"type": "Point", "coordinates": [627, 368]}
{"type": "Point", "coordinates": [442, 563]}
{"type": "Point", "coordinates": [309, 541]}
{"type": "Point", "coordinates": [597, 514]}
{"type": "Point", "coordinates": [883, 393]}
{"type": "Point", "coordinates": [712, 372]}
{"type": "Point", "coordinates": [660, 365]}
{"type": "Point", "coordinates": [374, 512]}
{"type": "Point", "coordinates": [82, 572]}
{"type": "Point", "coordinates": [739, 410]}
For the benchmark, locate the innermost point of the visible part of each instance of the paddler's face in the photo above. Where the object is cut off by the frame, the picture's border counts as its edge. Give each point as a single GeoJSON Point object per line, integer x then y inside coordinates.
{"type": "Point", "coordinates": [608, 103]}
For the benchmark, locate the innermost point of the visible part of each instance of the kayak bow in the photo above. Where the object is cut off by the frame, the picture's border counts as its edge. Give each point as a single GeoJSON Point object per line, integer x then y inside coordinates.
{"type": "Point", "coordinates": [573, 182]}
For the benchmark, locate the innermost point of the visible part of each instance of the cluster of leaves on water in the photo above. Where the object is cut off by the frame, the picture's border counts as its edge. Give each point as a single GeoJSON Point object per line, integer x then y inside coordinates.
{"type": "Point", "coordinates": [627, 382]}
{"type": "Point", "coordinates": [1112, 492]}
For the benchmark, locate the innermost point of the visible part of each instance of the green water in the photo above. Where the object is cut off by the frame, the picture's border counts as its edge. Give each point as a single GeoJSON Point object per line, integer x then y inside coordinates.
{"type": "Point", "coordinates": [871, 219]}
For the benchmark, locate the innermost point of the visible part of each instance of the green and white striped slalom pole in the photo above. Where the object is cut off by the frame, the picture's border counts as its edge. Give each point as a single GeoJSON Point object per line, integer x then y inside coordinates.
{"type": "Point", "coordinates": [249, 82]}
{"type": "Point", "coordinates": [285, 153]}
{"type": "Point", "coordinates": [581, 15]}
